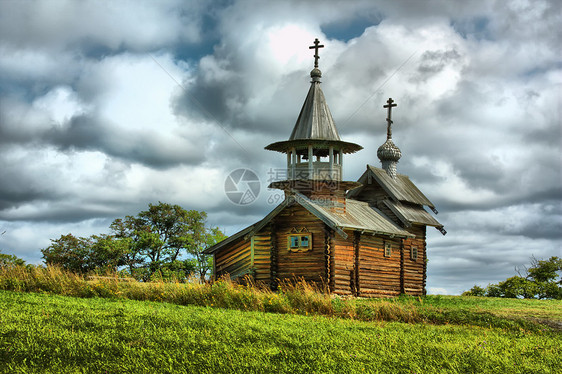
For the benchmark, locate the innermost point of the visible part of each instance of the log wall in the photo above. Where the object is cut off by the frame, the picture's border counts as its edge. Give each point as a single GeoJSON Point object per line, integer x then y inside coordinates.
{"type": "Point", "coordinates": [309, 265]}
{"type": "Point", "coordinates": [415, 270]}
{"type": "Point", "coordinates": [234, 260]}
{"type": "Point", "coordinates": [262, 256]}
{"type": "Point", "coordinates": [378, 276]}
{"type": "Point", "coordinates": [343, 260]}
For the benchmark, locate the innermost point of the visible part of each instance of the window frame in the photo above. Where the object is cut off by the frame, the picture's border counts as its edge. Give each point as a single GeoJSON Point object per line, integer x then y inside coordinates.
{"type": "Point", "coordinates": [414, 253]}
{"type": "Point", "coordinates": [387, 249]}
{"type": "Point", "coordinates": [300, 237]}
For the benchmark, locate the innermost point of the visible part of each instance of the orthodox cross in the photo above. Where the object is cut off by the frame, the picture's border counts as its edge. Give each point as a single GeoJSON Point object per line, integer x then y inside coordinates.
{"type": "Point", "coordinates": [390, 104]}
{"type": "Point", "coordinates": [315, 47]}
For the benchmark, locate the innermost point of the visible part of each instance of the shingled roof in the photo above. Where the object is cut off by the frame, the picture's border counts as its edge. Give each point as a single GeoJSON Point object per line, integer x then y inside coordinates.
{"type": "Point", "coordinates": [315, 120]}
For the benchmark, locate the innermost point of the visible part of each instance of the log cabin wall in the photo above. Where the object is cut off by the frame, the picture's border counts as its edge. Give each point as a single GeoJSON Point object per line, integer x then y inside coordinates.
{"type": "Point", "coordinates": [234, 260]}
{"type": "Point", "coordinates": [335, 200]}
{"type": "Point", "coordinates": [343, 259]}
{"type": "Point", "coordinates": [415, 269]}
{"type": "Point", "coordinates": [309, 265]}
{"type": "Point", "coordinates": [378, 276]}
{"type": "Point", "coordinates": [261, 243]}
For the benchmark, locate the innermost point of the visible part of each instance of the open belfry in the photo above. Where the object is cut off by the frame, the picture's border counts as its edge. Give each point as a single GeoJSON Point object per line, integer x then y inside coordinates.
{"type": "Point", "coordinates": [364, 238]}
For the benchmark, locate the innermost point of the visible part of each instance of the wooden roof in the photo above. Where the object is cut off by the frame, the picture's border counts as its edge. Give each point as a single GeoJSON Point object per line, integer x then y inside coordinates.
{"type": "Point", "coordinates": [359, 216]}
{"type": "Point", "coordinates": [399, 189]}
{"type": "Point", "coordinates": [411, 214]}
{"type": "Point", "coordinates": [315, 124]}
{"type": "Point", "coordinates": [315, 120]}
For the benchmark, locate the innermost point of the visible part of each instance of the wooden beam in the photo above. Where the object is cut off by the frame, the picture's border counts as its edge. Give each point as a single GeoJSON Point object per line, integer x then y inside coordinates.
{"type": "Point", "coordinates": [252, 251]}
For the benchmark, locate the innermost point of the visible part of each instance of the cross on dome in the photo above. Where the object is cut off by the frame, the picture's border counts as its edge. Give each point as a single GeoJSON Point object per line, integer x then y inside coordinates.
{"type": "Point", "coordinates": [390, 104]}
{"type": "Point", "coordinates": [316, 46]}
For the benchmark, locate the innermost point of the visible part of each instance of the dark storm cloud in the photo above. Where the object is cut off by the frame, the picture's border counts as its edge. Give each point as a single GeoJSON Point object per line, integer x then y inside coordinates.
{"type": "Point", "coordinates": [58, 212]}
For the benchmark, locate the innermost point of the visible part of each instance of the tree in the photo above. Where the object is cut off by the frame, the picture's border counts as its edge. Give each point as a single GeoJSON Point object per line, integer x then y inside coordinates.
{"type": "Point", "coordinates": [475, 291]}
{"type": "Point", "coordinates": [203, 240]}
{"type": "Point", "coordinates": [539, 281]}
{"type": "Point", "coordinates": [545, 270]}
{"type": "Point", "coordinates": [516, 287]}
{"type": "Point", "coordinates": [160, 236]}
{"type": "Point", "coordinates": [83, 255]}
{"type": "Point", "coordinates": [162, 242]}
{"type": "Point", "coordinates": [10, 260]}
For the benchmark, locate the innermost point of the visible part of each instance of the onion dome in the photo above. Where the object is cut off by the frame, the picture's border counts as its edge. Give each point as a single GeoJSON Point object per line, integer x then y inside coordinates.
{"type": "Point", "coordinates": [389, 152]}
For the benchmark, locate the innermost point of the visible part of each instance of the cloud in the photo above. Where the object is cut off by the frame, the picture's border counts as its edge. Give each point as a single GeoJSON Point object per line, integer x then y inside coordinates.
{"type": "Point", "coordinates": [131, 25]}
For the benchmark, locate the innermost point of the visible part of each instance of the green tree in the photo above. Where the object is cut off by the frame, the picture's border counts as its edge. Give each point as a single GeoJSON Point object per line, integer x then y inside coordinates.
{"type": "Point", "coordinates": [84, 255]}
{"type": "Point", "coordinates": [162, 242]}
{"type": "Point", "coordinates": [10, 260]}
{"type": "Point", "coordinates": [69, 252]}
{"type": "Point", "coordinates": [475, 291]}
{"type": "Point", "coordinates": [547, 276]}
{"type": "Point", "coordinates": [159, 238]}
{"type": "Point", "coordinates": [203, 240]}
{"type": "Point", "coordinates": [546, 270]}
{"type": "Point", "coordinates": [517, 286]}
{"type": "Point", "coordinates": [541, 280]}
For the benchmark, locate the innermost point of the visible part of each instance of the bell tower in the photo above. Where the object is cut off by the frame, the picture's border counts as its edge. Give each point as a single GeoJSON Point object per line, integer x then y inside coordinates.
{"type": "Point", "coordinates": [315, 150]}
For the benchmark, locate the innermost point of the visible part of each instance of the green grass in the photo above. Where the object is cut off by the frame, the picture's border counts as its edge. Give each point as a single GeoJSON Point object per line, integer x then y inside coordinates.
{"type": "Point", "coordinates": [296, 298]}
{"type": "Point", "coordinates": [42, 333]}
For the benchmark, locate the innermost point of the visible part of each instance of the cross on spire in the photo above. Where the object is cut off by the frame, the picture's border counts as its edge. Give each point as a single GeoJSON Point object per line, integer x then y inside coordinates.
{"type": "Point", "coordinates": [390, 104]}
{"type": "Point", "coordinates": [316, 46]}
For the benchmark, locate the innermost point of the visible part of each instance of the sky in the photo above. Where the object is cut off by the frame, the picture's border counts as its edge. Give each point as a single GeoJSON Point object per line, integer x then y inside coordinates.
{"type": "Point", "coordinates": [107, 106]}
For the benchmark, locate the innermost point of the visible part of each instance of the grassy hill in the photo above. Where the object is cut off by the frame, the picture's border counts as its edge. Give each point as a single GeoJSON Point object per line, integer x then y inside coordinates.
{"type": "Point", "coordinates": [45, 333]}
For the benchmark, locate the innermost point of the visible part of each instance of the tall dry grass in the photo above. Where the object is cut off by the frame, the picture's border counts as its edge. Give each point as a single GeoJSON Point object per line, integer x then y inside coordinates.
{"type": "Point", "coordinates": [293, 297]}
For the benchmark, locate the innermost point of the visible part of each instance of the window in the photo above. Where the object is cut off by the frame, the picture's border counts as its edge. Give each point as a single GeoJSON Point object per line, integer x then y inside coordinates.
{"type": "Point", "coordinates": [414, 253]}
{"type": "Point", "coordinates": [294, 241]}
{"type": "Point", "coordinates": [387, 249]}
{"type": "Point", "coordinates": [300, 242]}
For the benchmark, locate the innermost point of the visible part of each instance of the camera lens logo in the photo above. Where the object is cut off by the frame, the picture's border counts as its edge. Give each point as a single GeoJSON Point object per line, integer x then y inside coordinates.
{"type": "Point", "coordinates": [242, 186]}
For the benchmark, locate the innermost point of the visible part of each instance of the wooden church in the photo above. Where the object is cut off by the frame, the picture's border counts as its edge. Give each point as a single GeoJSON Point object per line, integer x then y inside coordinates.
{"type": "Point", "coordinates": [364, 238]}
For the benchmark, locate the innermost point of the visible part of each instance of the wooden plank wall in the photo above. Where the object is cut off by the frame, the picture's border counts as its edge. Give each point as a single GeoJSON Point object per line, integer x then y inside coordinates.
{"type": "Point", "coordinates": [415, 271]}
{"type": "Point", "coordinates": [309, 265]}
{"type": "Point", "coordinates": [262, 256]}
{"type": "Point", "coordinates": [234, 260]}
{"type": "Point", "coordinates": [379, 276]}
{"type": "Point", "coordinates": [372, 193]}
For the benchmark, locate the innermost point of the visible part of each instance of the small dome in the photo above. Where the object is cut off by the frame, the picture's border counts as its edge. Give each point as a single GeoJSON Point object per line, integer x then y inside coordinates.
{"type": "Point", "coordinates": [389, 151]}
{"type": "Point", "coordinates": [316, 73]}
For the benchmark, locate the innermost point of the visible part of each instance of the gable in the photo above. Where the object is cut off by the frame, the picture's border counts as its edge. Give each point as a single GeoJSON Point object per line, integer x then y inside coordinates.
{"type": "Point", "coordinates": [399, 189]}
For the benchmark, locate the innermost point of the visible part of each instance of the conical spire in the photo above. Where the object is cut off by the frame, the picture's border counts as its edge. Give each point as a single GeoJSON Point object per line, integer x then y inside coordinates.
{"type": "Point", "coordinates": [314, 149]}
{"type": "Point", "coordinates": [315, 120]}
{"type": "Point", "coordinates": [389, 153]}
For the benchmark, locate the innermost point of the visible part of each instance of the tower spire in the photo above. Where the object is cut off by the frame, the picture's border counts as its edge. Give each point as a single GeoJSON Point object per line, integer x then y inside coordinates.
{"type": "Point", "coordinates": [389, 153]}
{"type": "Point", "coordinates": [314, 149]}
